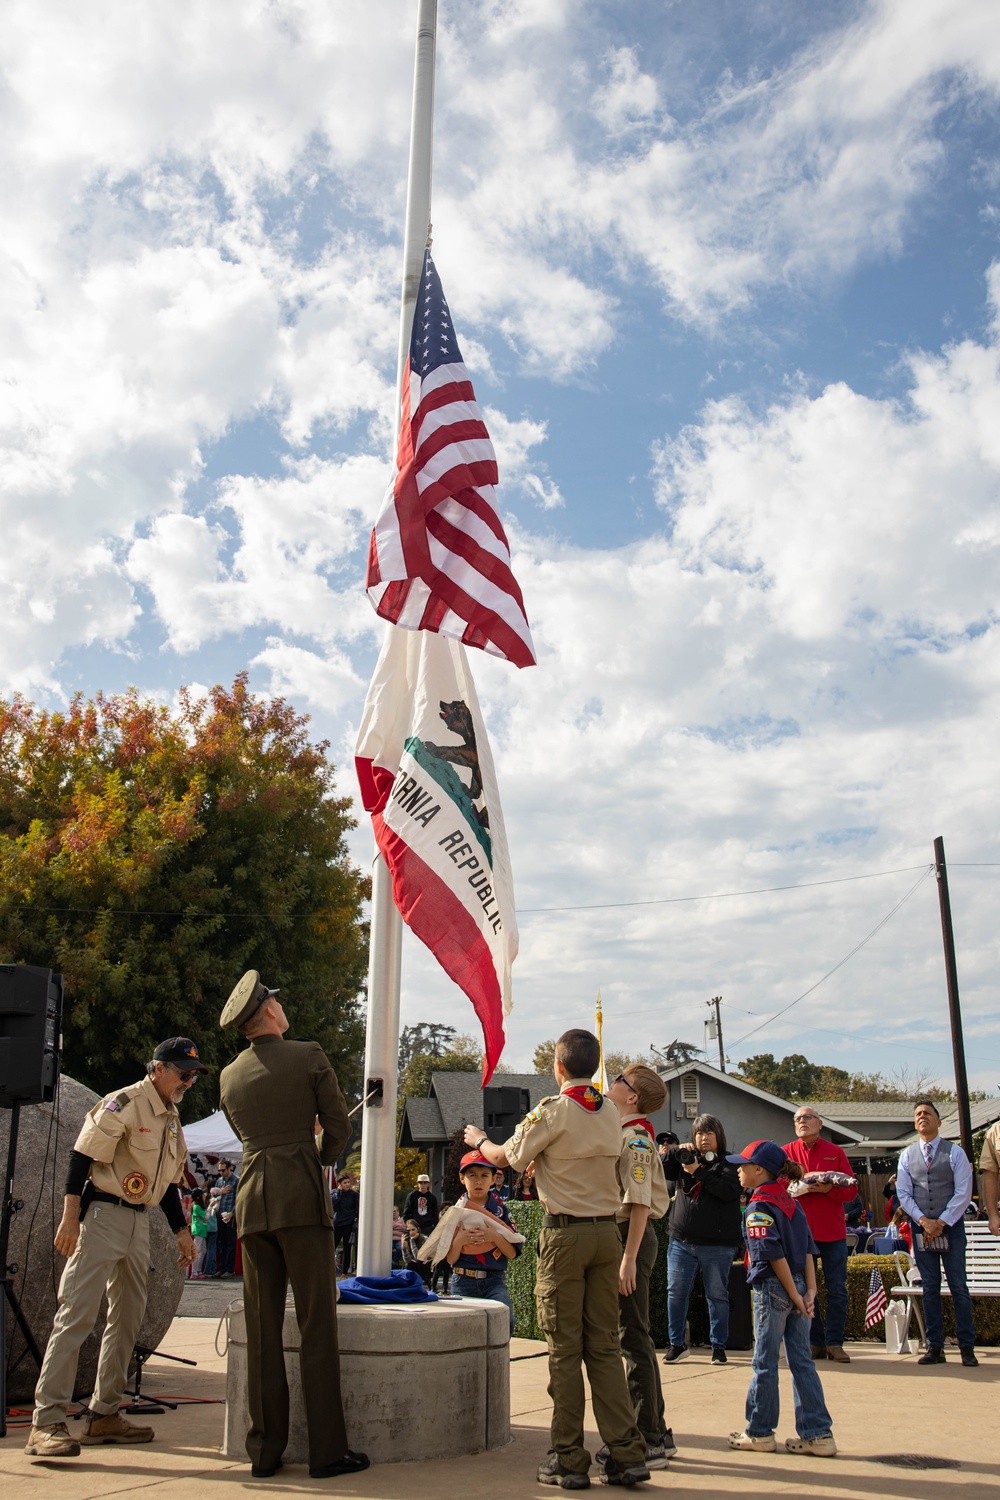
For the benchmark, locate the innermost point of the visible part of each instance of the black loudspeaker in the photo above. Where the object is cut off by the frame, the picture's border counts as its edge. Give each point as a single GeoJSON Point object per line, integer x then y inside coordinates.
{"type": "Point", "coordinates": [503, 1109]}
{"type": "Point", "coordinates": [31, 1002]}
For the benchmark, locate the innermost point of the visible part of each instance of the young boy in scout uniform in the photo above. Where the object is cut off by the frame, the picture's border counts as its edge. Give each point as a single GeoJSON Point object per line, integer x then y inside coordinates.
{"type": "Point", "coordinates": [129, 1155]}
{"type": "Point", "coordinates": [272, 1095]}
{"type": "Point", "coordinates": [575, 1142]}
{"type": "Point", "coordinates": [638, 1093]}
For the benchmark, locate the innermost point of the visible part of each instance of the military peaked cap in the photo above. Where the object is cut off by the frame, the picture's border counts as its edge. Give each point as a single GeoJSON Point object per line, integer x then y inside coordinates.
{"type": "Point", "coordinates": [248, 996]}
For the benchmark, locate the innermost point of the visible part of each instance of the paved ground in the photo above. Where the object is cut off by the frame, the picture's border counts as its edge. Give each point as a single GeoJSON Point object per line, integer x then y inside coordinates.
{"type": "Point", "coordinates": [882, 1405]}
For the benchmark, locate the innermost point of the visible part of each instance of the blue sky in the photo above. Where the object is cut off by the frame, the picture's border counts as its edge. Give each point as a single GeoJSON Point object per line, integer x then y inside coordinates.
{"type": "Point", "coordinates": [728, 279]}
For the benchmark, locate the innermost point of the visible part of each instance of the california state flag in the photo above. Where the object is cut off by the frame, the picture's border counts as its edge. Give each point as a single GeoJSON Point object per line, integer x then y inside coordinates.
{"type": "Point", "coordinates": [427, 778]}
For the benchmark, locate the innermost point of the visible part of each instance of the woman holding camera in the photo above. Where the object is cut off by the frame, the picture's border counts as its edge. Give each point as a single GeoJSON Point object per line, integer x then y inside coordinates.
{"type": "Point", "coordinates": [705, 1230]}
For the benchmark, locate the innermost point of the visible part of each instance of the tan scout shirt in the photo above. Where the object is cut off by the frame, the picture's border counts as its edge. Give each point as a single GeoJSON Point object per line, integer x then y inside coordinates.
{"type": "Point", "coordinates": [640, 1172]}
{"type": "Point", "coordinates": [136, 1142]}
{"type": "Point", "coordinates": [989, 1160]}
{"type": "Point", "coordinates": [575, 1151]}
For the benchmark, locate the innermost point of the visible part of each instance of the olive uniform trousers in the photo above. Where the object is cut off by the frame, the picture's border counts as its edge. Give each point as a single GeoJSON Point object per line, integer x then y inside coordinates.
{"type": "Point", "coordinates": [305, 1257]}
{"type": "Point", "coordinates": [641, 1369]}
{"type": "Point", "coordinates": [576, 1295]}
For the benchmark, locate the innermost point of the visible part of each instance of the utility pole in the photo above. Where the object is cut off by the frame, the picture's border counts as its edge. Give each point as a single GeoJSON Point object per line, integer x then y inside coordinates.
{"type": "Point", "coordinates": [714, 1028]}
{"type": "Point", "coordinates": [954, 1008]}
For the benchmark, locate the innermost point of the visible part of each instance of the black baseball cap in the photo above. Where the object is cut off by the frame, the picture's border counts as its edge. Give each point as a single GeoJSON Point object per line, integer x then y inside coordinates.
{"type": "Point", "coordinates": [181, 1052]}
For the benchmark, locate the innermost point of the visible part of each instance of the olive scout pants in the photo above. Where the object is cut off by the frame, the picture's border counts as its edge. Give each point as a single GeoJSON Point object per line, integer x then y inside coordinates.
{"type": "Point", "coordinates": [113, 1253]}
{"type": "Point", "coordinates": [641, 1369]}
{"type": "Point", "coordinates": [576, 1294]}
{"type": "Point", "coordinates": [303, 1256]}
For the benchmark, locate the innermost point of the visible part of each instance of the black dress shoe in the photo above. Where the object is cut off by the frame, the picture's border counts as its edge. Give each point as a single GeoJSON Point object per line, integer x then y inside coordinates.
{"type": "Point", "coordinates": [257, 1471]}
{"type": "Point", "coordinates": [934, 1356]}
{"type": "Point", "coordinates": [351, 1463]}
{"type": "Point", "coordinates": [969, 1355]}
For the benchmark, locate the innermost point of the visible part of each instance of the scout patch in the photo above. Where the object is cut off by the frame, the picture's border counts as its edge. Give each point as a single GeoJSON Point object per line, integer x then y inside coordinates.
{"type": "Point", "coordinates": [172, 1130]}
{"type": "Point", "coordinates": [135, 1184]}
{"type": "Point", "coordinates": [638, 1173]}
{"type": "Point", "coordinates": [112, 1104]}
{"type": "Point", "coordinates": [756, 1220]}
{"type": "Point", "coordinates": [757, 1232]}
{"type": "Point", "coordinates": [641, 1147]}
{"type": "Point", "coordinates": [534, 1117]}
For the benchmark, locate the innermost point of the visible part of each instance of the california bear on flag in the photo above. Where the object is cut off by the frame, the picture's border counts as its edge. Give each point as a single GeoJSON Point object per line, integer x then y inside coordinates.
{"type": "Point", "coordinates": [426, 776]}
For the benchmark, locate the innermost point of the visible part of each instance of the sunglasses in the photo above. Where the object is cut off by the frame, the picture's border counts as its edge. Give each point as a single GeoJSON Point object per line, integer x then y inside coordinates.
{"type": "Point", "coordinates": [185, 1075]}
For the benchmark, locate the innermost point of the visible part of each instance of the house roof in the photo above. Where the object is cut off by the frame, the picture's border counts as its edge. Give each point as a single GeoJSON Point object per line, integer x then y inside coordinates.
{"type": "Point", "coordinates": [857, 1109]}
{"type": "Point", "coordinates": [706, 1069]}
{"type": "Point", "coordinates": [456, 1099]}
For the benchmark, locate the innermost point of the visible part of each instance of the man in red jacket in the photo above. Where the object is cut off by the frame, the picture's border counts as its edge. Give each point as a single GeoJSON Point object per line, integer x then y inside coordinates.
{"type": "Point", "coordinates": [824, 1208]}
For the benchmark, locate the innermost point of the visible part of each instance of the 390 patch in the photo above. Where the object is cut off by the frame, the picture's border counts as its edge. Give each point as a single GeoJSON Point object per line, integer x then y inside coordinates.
{"type": "Point", "coordinates": [135, 1184]}
{"type": "Point", "coordinates": [638, 1173]}
{"type": "Point", "coordinates": [756, 1232]}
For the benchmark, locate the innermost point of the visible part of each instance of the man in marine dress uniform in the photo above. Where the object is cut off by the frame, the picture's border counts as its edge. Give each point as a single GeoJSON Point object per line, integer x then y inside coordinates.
{"type": "Point", "coordinates": [575, 1141]}
{"type": "Point", "coordinates": [129, 1155]}
{"type": "Point", "coordinates": [272, 1095]}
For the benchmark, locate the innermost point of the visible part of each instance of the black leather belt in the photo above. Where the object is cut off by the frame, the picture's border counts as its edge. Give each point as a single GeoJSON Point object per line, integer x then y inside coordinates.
{"type": "Point", "coordinates": [560, 1221]}
{"type": "Point", "coordinates": [98, 1197]}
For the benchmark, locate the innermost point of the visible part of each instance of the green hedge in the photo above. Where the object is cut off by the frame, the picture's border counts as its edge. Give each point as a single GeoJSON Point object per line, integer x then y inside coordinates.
{"type": "Point", "coordinates": [521, 1283]}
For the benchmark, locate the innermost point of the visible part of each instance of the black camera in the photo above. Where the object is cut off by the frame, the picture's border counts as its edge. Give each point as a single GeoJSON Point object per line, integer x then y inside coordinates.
{"type": "Point", "coordinates": [686, 1156]}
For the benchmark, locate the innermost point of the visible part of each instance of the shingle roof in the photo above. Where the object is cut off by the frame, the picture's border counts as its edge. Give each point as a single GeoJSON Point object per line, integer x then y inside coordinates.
{"type": "Point", "coordinates": [421, 1124]}
{"type": "Point", "coordinates": [856, 1109]}
{"type": "Point", "coordinates": [456, 1099]}
{"type": "Point", "coordinates": [830, 1121]}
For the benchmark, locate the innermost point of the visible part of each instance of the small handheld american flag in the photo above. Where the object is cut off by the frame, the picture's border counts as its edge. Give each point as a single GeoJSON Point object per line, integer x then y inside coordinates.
{"type": "Point", "coordinates": [877, 1300]}
{"type": "Point", "coordinates": [439, 558]}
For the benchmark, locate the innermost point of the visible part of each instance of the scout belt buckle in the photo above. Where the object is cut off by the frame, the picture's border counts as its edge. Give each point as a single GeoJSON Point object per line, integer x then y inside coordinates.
{"type": "Point", "coordinates": [464, 1271]}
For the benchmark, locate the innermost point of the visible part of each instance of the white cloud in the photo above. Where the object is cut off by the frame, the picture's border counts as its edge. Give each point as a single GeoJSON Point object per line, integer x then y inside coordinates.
{"type": "Point", "coordinates": [630, 97]}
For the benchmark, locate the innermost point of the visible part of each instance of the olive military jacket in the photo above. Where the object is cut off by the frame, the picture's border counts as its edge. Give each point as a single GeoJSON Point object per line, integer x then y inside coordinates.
{"type": "Point", "coordinates": [271, 1096]}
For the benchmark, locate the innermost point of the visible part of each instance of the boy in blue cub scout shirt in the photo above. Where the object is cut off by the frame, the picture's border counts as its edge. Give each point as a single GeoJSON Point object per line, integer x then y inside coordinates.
{"type": "Point", "coordinates": [781, 1272]}
{"type": "Point", "coordinates": [479, 1257]}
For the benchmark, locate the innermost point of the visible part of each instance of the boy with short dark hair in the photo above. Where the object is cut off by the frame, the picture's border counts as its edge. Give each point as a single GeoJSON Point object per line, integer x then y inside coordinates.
{"type": "Point", "coordinates": [782, 1277]}
{"type": "Point", "coordinates": [574, 1139]}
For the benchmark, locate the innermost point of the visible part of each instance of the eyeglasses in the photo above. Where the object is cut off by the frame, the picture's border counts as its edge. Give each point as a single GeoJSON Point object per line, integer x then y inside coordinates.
{"type": "Point", "coordinates": [804, 1119]}
{"type": "Point", "coordinates": [185, 1075]}
{"type": "Point", "coordinates": [620, 1078]}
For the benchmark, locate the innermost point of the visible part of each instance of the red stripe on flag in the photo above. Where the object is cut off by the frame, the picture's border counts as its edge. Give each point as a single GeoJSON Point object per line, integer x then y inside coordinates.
{"type": "Point", "coordinates": [436, 916]}
{"type": "Point", "coordinates": [375, 783]}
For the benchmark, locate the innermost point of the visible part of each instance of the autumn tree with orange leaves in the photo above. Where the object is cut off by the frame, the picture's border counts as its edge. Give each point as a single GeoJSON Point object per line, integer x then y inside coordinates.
{"type": "Point", "coordinates": [152, 856]}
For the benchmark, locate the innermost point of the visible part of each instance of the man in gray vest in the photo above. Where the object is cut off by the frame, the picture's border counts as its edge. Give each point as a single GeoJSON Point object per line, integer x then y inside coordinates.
{"type": "Point", "coordinates": [934, 1186]}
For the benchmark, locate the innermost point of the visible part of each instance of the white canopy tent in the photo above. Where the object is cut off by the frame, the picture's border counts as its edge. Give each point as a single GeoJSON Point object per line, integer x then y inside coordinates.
{"type": "Point", "coordinates": [212, 1136]}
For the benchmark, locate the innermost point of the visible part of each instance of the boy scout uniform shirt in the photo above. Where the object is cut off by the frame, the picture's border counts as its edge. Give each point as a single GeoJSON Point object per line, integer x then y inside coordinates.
{"type": "Point", "coordinates": [773, 1234]}
{"type": "Point", "coordinates": [575, 1147]}
{"type": "Point", "coordinates": [136, 1143]}
{"type": "Point", "coordinates": [640, 1172]}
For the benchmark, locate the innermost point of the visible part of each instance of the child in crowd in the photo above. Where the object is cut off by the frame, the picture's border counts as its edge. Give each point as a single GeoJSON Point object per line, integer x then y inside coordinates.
{"type": "Point", "coordinates": [478, 1257]}
{"type": "Point", "coordinates": [782, 1276]}
{"type": "Point", "coordinates": [199, 1234]}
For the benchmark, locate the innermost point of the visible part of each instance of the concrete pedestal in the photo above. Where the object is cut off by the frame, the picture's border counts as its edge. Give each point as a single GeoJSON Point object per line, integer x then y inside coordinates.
{"type": "Point", "coordinates": [430, 1380]}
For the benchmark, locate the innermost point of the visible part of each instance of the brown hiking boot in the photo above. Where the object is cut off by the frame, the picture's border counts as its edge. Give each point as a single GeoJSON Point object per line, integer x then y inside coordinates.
{"type": "Point", "coordinates": [52, 1442]}
{"type": "Point", "coordinates": [837, 1354]}
{"type": "Point", "coordinates": [113, 1429]}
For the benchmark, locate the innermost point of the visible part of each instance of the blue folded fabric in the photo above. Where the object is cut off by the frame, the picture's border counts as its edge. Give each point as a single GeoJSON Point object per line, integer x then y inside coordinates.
{"type": "Point", "coordinates": [398, 1287]}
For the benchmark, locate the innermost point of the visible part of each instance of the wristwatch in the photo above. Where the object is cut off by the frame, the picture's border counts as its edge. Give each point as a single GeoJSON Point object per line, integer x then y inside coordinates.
{"type": "Point", "coordinates": [481, 1142]}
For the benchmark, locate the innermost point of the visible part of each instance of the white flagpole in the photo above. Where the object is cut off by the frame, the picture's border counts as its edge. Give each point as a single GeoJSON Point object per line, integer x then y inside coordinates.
{"type": "Point", "coordinates": [378, 1140]}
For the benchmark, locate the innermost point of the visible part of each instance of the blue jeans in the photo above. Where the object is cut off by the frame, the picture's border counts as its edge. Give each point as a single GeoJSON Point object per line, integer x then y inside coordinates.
{"type": "Point", "coordinates": [775, 1320]}
{"type": "Point", "coordinates": [493, 1285]}
{"type": "Point", "coordinates": [929, 1263]}
{"type": "Point", "coordinates": [833, 1255]}
{"type": "Point", "coordinates": [684, 1260]}
{"type": "Point", "coordinates": [208, 1269]}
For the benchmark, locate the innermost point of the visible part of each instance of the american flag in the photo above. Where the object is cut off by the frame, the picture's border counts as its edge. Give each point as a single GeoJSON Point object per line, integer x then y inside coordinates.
{"type": "Point", "coordinates": [438, 558]}
{"type": "Point", "coordinates": [877, 1300]}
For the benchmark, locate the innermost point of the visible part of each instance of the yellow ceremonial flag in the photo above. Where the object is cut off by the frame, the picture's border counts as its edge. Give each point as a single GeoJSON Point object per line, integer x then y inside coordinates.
{"type": "Point", "coordinates": [601, 1076]}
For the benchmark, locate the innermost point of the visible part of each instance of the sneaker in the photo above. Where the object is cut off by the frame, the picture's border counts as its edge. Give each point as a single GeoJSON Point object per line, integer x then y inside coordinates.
{"type": "Point", "coordinates": [817, 1447]}
{"type": "Point", "coordinates": [657, 1456]}
{"type": "Point", "coordinates": [753, 1444]}
{"type": "Point", "coordinates": [719, 1355]}
{"type": "Point", "coordinates": [52, 1442]}
{"type": "Point", "coordinates": [113, 1429]}
{"type": "Point", "coordinates": [934, 1356]}
{"type": "Point", "coordinates": [667, 1442]}
{"type": "Point", "coordinates": [552, 1472]}
{"type": "Point", "coordinates": [838, 1354]}
{"type": "Point", "coordinates": [674, 1353]}
{"type": "Point", "coordinates": [626, 1474]}
{"type": "Point", "coordinates": [969, 1355]}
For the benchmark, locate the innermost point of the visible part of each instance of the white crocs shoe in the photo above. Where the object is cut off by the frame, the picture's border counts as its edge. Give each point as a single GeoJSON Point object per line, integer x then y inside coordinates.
{"type": "Point", "coordinates": [754, 1444]}
{"type": "Point", "coordinates": [818, 1447]}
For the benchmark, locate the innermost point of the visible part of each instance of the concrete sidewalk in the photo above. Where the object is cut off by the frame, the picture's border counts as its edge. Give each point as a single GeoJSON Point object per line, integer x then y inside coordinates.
{"type": "Point", "coordinates": [881, 1404]}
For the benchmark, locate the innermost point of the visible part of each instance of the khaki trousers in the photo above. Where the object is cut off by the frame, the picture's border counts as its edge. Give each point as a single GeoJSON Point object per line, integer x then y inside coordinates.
{"type": "Point", "coordinates": [305, 1257]}
{"type": "Point", "coordinates": [576, 1294]}
{"type": "Point", "coordinates": [641, 1369]}
{"type": "Point", "coordinates": [112, 1254]}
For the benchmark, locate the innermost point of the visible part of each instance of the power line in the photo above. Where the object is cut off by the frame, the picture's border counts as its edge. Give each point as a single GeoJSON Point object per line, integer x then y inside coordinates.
{"type": "Point", "coordinates": [856, 949]}
{"type": "Point", "coordinates": [763, 890]}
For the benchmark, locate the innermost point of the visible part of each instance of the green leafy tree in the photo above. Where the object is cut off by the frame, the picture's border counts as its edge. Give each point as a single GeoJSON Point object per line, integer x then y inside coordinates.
{"type": "Point", "coordinates": [464, 1055]}
{"type": "Point", "coordinates": [426, 1037]}
{"type": "Point", "coordinates": [152, 856]}
{"type": "Point", "coordinates": [545, 1056]}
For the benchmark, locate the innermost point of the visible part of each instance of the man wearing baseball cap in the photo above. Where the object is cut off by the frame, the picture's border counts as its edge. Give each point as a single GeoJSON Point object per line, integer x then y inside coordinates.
{"type": "Point", "coordinates": [781, 1272]}
{"type": "Point", "coordinates": [128, 1157]}
{"type": "Point", "coordinates": [422, 1205]}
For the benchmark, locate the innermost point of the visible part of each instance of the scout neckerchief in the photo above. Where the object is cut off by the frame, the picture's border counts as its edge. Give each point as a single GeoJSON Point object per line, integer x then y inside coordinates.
{"type": "Point", "coordinates": [492, 1197]}
{"type": "Point", "coordinates": [585, 1095]}
{"type": "Point", "coordinates": [776, 1194]}
{"type": "Point", "coordinates": [647, 1125]}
